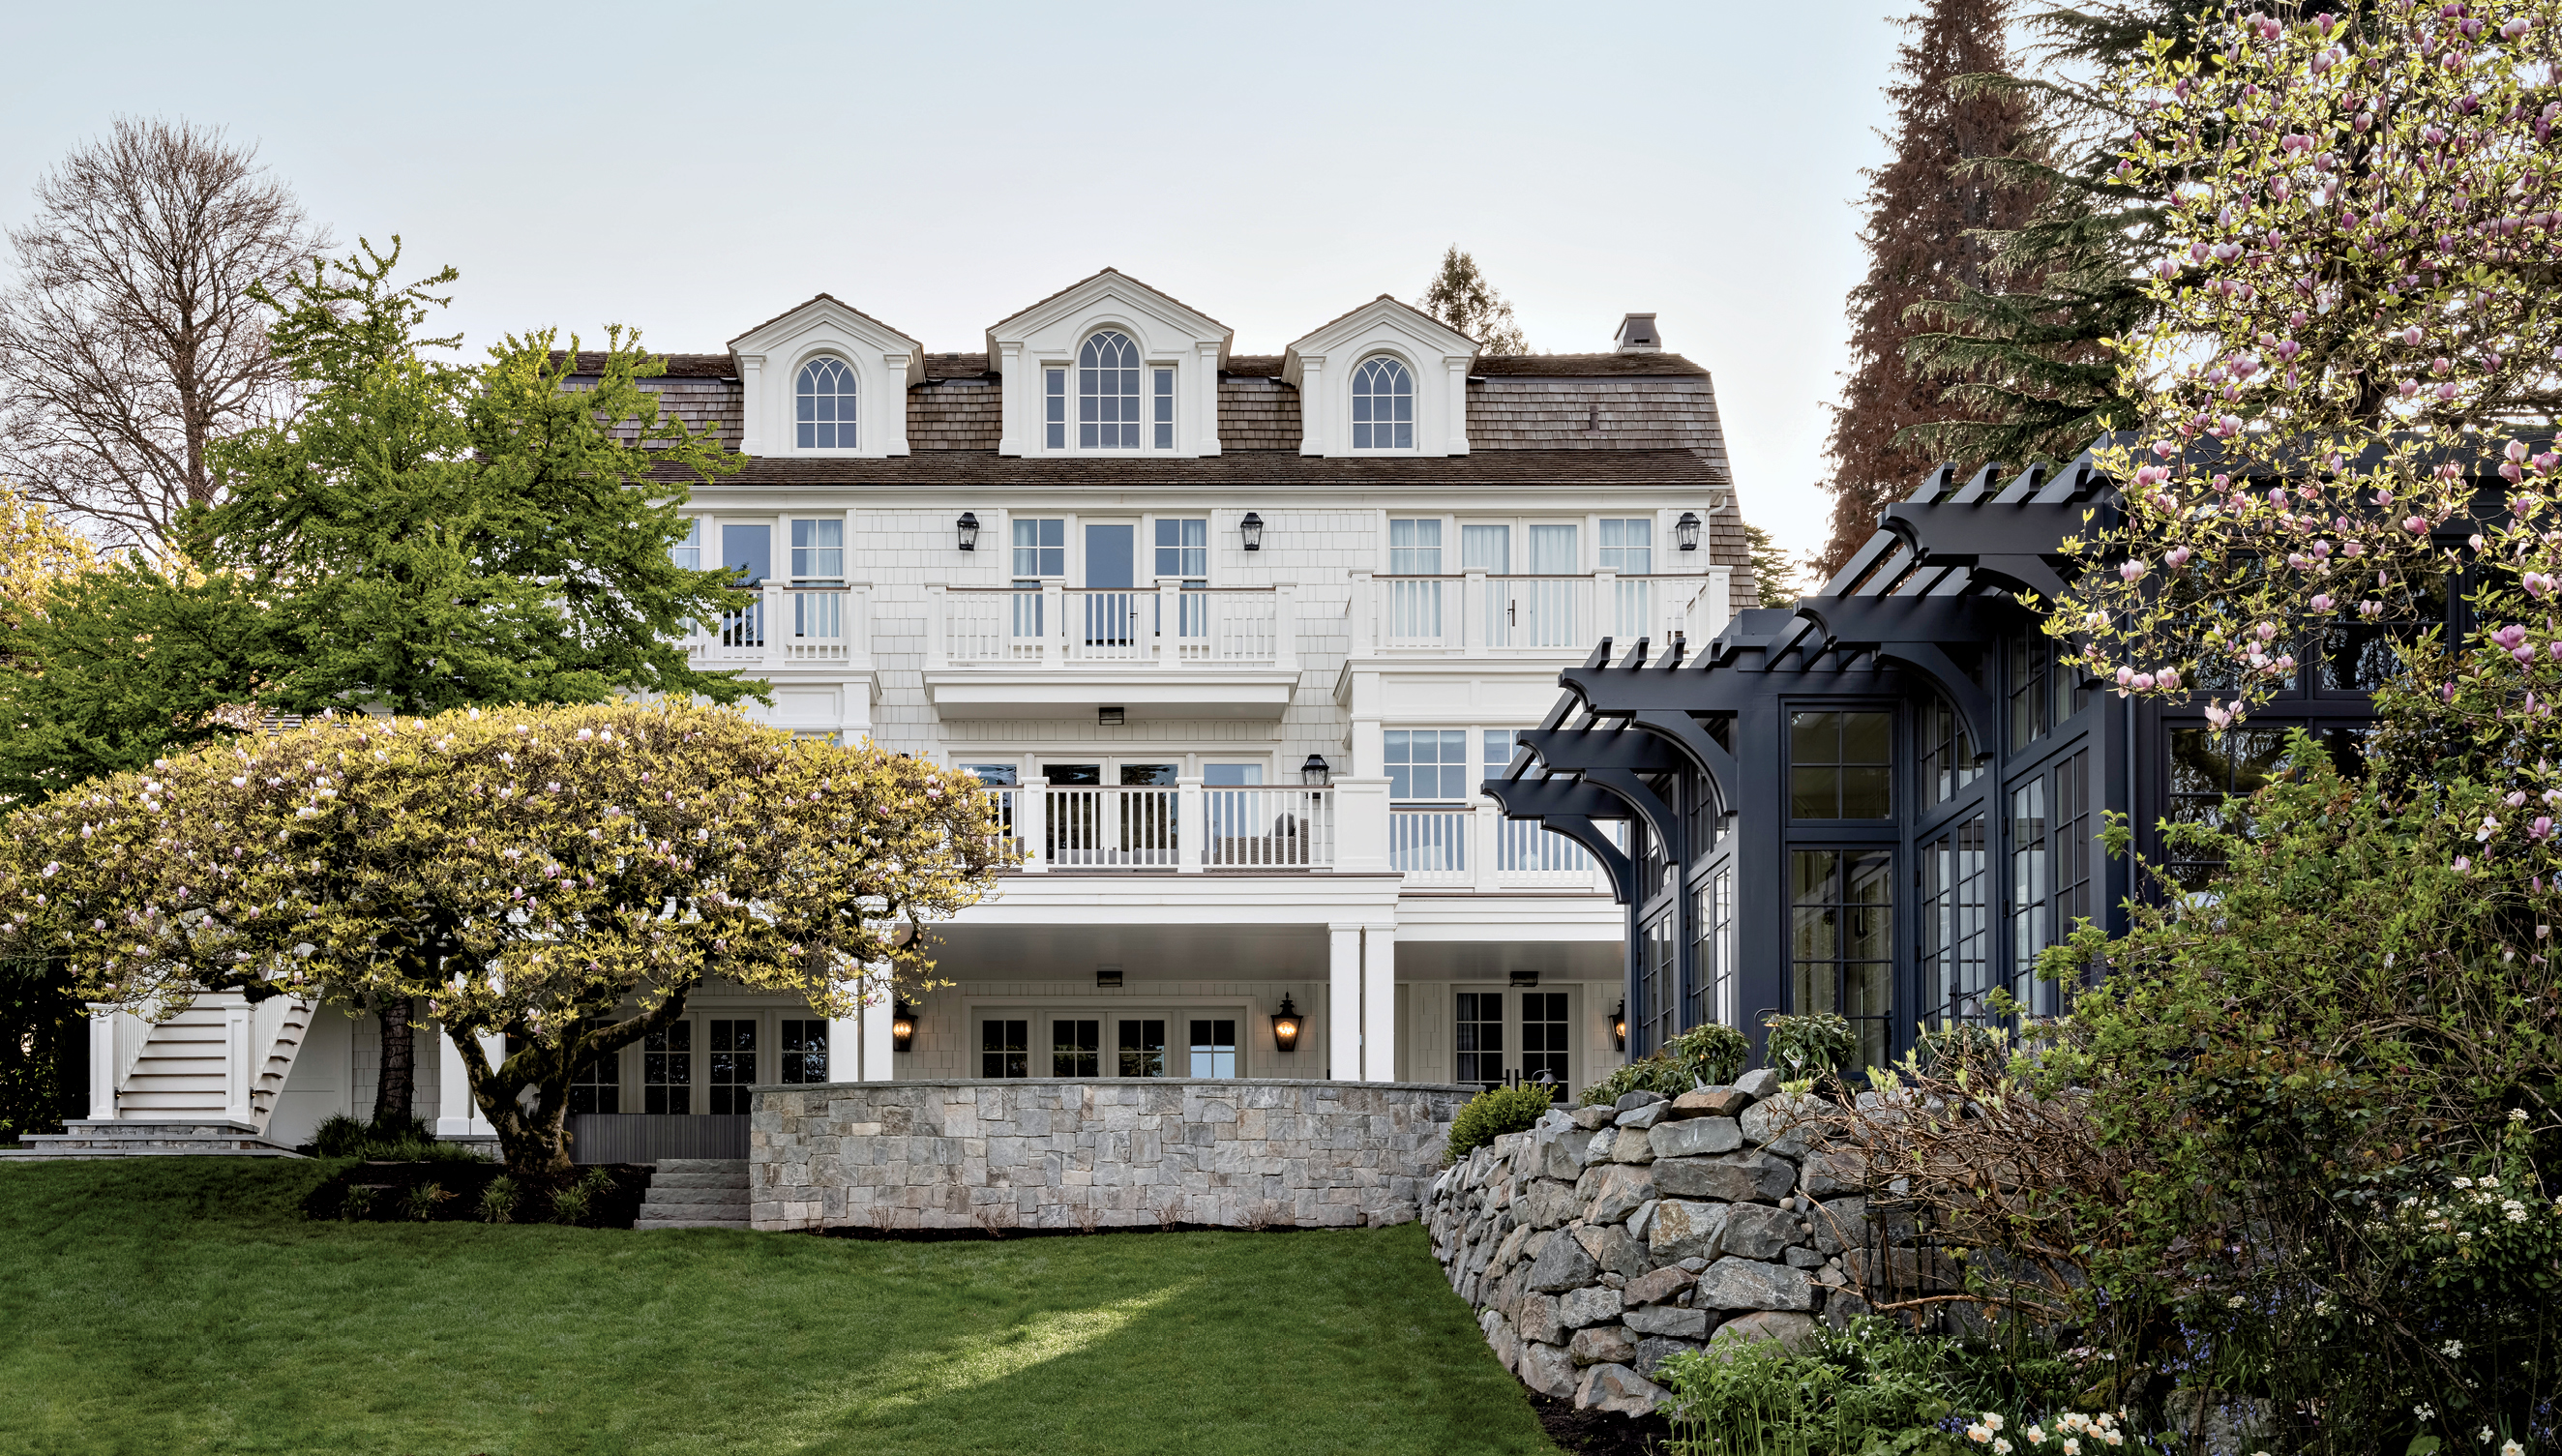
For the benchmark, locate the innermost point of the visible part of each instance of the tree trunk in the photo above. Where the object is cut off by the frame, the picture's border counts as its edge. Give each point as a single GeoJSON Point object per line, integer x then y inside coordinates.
{"type": "Point", "coordinates": [395, 1089]}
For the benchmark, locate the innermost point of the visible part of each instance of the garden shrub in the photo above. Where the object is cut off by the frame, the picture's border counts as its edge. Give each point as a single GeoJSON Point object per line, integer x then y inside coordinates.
{"type": "Point", "coordinates": [498, 1201]}
{"type": "Point", "coordinates": [1810, 1044]}
{"type": "Point", "coordinates": [1497, 1111]}
{"type": "Point", "coordinates": [1703, 1056]}
{"type": "Point", "coordinates": [421, 1204]}
{"type": "Point", "coordinates": [577, 1203]}
{"type": "Point", "coordinates": [405, 1139]}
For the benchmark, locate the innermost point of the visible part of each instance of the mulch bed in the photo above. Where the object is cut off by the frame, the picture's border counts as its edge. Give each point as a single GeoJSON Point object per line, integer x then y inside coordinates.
{"type": "Point", "coordinates": [384, 1193]}
{"type": "Point", "coordinates": [1600, 1432]}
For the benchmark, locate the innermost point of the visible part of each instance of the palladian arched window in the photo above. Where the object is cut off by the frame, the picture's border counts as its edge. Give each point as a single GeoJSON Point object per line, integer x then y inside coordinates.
{"type": "Point", "coordinates": [827, 405]}
{"type": "Point", "coordinates": [1107, 393]}
{"type": "Point", "coordinates": [1383, 405]}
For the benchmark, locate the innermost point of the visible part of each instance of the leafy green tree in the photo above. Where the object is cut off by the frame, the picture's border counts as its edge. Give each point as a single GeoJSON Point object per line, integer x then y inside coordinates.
{"type": "Point", "coordinates": [1774, 576]}
{"type": "Point", "coordinates": [1460, 296]}
{"type": "Point", "coordinates": [563, 876]}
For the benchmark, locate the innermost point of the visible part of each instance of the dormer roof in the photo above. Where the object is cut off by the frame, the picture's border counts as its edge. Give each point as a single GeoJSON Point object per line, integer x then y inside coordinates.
{"type": "Point", "coordinates": [1366, 321]}
{"type": "Point", "coordinates": [1106, 288]}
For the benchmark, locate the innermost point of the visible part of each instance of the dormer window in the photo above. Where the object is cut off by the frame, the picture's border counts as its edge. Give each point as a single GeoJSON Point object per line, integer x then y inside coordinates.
{"type": "Point", "coordinates": [1107, 393]}
{"type": "Point", "coordinates": [1383, 405]}
{"type": "Point", "coordinates": [825, 402]}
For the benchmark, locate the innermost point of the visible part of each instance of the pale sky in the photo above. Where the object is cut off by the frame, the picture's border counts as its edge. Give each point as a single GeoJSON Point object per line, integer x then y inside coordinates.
{"type": "Point", "coordinates": [695, 169]}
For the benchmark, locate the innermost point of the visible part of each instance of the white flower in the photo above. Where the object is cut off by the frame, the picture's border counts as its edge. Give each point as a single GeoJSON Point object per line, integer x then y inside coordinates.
{"type": "Point", "coordinates": [2234, 1303]}
{"type": "Point", "coordinates": [2036, 1434]}
{"type": "Point", "coordinates": [2463, 1182]}
{"type": "Point", "coordinates": [2424, 1413]}
{"type": "Point", "coordinates": [2516, 1113]}
{"type": "Point", "coordinates": [2487, 1435]}
{"type": "Point", "coordinates": [2512, 1448]}
{"type": "Point", "coordinates": [1979, 1434]}
{"type": "Point", "coordinates": [1993, 1420]}
{"type": "Point", "coordinates": [2451, 1349]}
{"type": "Point", "coordinates": [2071, 1447]}
{"type": "Point", "coordinates": [2000, 1447]}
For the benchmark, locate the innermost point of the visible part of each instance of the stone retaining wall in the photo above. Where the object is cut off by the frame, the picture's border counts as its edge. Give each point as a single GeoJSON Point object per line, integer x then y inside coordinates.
{"type": "Point", "coordinates": [1603, 1241]}
{"type": "Point", "coordinates": [1059, 1153]}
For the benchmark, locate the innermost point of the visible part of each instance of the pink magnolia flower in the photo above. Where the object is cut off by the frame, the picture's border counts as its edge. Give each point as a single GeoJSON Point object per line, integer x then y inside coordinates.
{"type": "Point", "coordinates": [2322, 602]}
{"type": "Point", "coordinates": [2132, 571]}
{"type": "Point", "coordinates": [2415, 525]}
{"type": "Point", "coordinates": [2176, 556]}
{"type": "Point", "coordinates": [2510, 637]}
{"type": "Point", "coordinates": [2168, 678]}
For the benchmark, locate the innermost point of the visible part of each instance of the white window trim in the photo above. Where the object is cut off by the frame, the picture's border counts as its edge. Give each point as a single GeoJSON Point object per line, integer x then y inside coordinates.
{"type": "Point", "coordinates": [1414, 397]}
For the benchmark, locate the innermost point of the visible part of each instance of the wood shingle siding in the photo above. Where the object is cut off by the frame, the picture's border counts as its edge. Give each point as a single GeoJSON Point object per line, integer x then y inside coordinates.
{"type": "Point", "coordinates": [957, 412]}
{"type": "Point", "coordinates": [1257, 412]}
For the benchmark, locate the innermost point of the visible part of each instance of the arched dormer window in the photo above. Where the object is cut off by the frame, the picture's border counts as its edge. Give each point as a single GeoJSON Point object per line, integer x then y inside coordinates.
{"type": "Point", "coordinates": [1383, 405]}
{"type": "Point", "coordinates": [827, 405]}
{"type": "Point", "coordinates": [1107, 393]}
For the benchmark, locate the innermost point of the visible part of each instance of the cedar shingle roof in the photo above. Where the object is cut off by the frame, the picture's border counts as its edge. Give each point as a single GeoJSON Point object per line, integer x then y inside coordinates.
{"type": "Point", "coordinates": [1280, 469]}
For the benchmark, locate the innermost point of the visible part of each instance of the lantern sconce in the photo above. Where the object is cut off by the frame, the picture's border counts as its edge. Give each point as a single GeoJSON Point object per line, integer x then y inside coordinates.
{"type": "Point", "coordinates": [1252, 529]}
{"type": "Point", "coordinates": [902, 1026]}
{"type": "Point", "coordinates": [1285, 1026]}
{"type": "Point", "coordinates": [969, 525]}
{"type": "Point", "coordinates": [1620, 1026]}
{"type": "Point", "coordinates": [1686, 531]}
{"type": "Point", "coordinates": [1314, 772]}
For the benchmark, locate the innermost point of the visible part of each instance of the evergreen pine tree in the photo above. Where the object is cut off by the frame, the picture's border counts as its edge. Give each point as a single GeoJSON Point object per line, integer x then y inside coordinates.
{"type": "Point", "coordinates": [1460, 296]}
{"type": "Point", "coordinates": [1928, 210]}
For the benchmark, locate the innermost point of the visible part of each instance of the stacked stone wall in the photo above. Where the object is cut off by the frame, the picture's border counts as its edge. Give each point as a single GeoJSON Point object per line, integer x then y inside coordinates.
{"type": "Point", "coordinates": [1061, 1154]}
{"type": "Point", "coordinates": [1604, 1240]}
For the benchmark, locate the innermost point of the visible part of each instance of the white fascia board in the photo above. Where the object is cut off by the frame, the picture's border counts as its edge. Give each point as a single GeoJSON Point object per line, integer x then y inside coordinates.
{"type": "Point", "coordinates": [1141, 692]}
{"type": "Point", "coordinates": [1511, 916]}
{"type": "Point", "coordinates": [1114, 292]}
{"type": "Point", "coordinates": [1297, 898]}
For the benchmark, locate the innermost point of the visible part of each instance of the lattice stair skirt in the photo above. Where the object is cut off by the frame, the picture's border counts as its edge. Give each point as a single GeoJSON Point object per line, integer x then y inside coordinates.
{"type": "Point", "coordinates": [697, 1193]}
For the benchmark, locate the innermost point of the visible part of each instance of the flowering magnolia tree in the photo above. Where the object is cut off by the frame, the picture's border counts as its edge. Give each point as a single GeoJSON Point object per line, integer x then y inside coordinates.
{"type": "Point", "coordinates": [2357, 333]}
{"type": "Point", "coordinates": [565, 876]}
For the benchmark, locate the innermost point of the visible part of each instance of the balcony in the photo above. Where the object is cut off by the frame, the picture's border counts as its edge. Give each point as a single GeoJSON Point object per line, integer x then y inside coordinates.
{"type": "Point", "coordinates": [1482, 614]}
{"type": "Point", "coordinates": [789, 626]}
{"type": "Point", "coordinates": [1153, 651]}
{"type": "Point", "coordinates": [1188, 827]}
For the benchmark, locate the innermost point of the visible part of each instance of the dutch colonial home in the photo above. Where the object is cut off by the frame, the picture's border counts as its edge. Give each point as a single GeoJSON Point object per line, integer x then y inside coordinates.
{"type": "Point", "coordinates": [1235, 640]}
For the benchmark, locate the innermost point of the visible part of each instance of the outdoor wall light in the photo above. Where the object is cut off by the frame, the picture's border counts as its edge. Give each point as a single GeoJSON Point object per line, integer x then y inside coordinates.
{"type": "Point", "coordinates": [1620, 1026]}
{"type": "Point", "coordinates": [902, 1028]}
{"type": "Point", "coordinates": [1525, 978]}
{"type": "Point", "coordinates": [1109, 717]}
{"type": "Point", "coordinates": [1686, 531]}
{"type": "Point", "coordinates": [1314, 772]}
{"type": "Point", "coordinates": [1285, 1025]}
{"type": "Point", "coordinates": [1252, 529]}
{"type": "Point", "coordinates": [969, 530]}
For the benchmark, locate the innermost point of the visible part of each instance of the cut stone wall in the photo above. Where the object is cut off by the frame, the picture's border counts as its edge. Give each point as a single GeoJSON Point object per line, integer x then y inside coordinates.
{"type": "Point", "coordinates": [1603, 1241]}
{"type": "Point", "coordinates": [1059, 1153]}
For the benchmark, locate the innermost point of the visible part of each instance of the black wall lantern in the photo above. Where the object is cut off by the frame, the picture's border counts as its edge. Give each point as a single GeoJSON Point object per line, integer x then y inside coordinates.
{"type": "Point", "coordinates": [969, 530]}
{"type": "Point", "coordinates": [1285, 1026]}
{"type": "Point", "coordinates": [902, 1028]}
{"type": "Point", "coordinates": [1314, 772]}
{"type": "Point", "coordinates": [1686, 531]}
{"type": "Point", "coordinates": [1252, 529]}
{"type": "Point", "coordinates": [1620, 1026]}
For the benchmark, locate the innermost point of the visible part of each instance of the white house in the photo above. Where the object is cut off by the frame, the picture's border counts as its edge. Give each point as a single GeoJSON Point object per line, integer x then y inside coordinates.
{"type": "Point", "coordinates": [1234, 637]}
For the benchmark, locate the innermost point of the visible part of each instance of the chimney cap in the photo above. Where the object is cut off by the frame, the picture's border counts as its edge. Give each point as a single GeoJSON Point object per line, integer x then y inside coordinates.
{"type": "Point", "coordinates": [1637, 335]}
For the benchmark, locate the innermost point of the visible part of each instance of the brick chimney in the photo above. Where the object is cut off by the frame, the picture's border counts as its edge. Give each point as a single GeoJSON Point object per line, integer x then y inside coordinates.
{"type": "Point", "coordinates": [1637, 335]}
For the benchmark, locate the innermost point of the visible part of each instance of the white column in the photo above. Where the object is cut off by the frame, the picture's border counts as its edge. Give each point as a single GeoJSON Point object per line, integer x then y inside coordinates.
{"type": "Point", "coordinates": [1168, 609]}
{"type": "Point", "coordinates": [1019, 400]}
{"type": "Point", "coordinates": [1285, 627]}
{"type": "Point", "coordinates": [1344, 1002]}
{"type": "Point", "coordinates": [237, 1074]}
{"type": "Point", "coordinates": [1053, 625]}
{"type": "Point", "coordinates": [938, 626]}
{"type": "Point", "coordinates": [1475, 612]}
{"type": "Point", "coordinates": [457, 1114]}
{"type": "Point", "coordinates": [1361, 826]}
{"type": "Point", "coordinates": [1032, 823]}
{"type": "Point", "coordinates": [1192, 825]}
{"type": "Point", "coordinates": [1458, 398]}
{"type": "Point", "coordinates": [1378, 1004]}
{"type": "Point", "coordinates": [1361, 613]}
{"type": "Point", "coordinates": [1605, 618]}
{"type": "Point", "coordinates": [846, 1045]}
{"type": "Point", "coordinates": [777, 606]}
{"type": "Point", "coordinates": [751, 425]}
{"type": "Point", "coordinates": [103, 1066]}
{"type": "Point", "coordinates": [1205, 370]}
{"type": "Point", "coordinates": [1485, 845]}
{"type": "Point", "coordinates": [879, 1056]}
{"type": "Point", "coordinates": [1316, 422]}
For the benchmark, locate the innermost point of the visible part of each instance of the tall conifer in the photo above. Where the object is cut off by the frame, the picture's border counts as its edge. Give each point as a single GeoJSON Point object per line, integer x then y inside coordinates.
{"type": "Point", "coordinates": [1926, 210]}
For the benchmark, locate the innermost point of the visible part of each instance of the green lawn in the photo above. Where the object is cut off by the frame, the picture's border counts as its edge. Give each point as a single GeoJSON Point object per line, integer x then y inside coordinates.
{"type": "Point", "coordinates": [170, 1306]}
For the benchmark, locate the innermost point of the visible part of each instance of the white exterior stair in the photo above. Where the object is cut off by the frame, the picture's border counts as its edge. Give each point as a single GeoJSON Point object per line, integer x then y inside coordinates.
{"type": "Point", "coordinates": [204, 1081]}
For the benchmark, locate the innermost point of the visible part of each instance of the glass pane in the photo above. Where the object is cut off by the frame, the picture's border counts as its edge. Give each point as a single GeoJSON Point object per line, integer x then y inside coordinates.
{"type": "Point", "coordinates": [1143, 1049]}
{"type": "Point", "coordinates": [1551, 551]}
{"type": "Point", "coordinates": [1486, 548]}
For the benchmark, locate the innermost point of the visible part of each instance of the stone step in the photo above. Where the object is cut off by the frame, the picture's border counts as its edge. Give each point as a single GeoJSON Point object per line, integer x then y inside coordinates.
{"type": "Point", "coordinates": [661, 1196]}
{"type": "Point", "coordinates": [646, 1222]}
{"type": "Point", "coordinates": [699, 1173]}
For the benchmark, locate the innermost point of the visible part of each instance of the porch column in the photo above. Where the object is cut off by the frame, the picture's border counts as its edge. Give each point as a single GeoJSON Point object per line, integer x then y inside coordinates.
{"type": "Point", "coordinates": [1378, 1004]}
{"type": "Point", "coordinates": [1344, 1002]}
{"type": "Point", "coordinates": [878, 1055]}
{"type": "Point", "coordinates": [456, 1115]}
{"type": "Point", "coordinates": [238, 1076]}
{"type": "Point", "coordinates": [103, 1066]}
{"type": "Point", "coordinates": [1192, 825]}
{"type": "Point", "coordinates": [845, 1047]}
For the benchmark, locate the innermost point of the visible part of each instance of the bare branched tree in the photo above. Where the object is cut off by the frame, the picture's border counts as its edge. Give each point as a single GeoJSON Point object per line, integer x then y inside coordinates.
{"type": "Point", "coordinates": [128, 338]}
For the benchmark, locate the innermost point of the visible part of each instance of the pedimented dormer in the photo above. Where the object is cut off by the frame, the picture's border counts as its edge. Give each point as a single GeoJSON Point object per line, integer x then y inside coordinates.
{"type": "Point", "coordinates": [826, 380]}
{"type": "Point", "coordinates": [1109, 367]}
{"type": "Point", "coordinates": [1384, 379]}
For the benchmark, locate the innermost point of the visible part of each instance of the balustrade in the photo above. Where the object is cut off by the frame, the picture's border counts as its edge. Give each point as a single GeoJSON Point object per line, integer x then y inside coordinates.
{"type": "Point", "coordinates": [1481, 612]}
{"type": "Point", "coordinates": [1167, 624]}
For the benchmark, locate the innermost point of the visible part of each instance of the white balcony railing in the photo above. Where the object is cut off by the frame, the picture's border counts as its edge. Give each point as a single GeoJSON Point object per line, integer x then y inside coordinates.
{"type": "Point", "coordinates": [1482, 613]}
{"type": "Point", "coordinates": [1163, 626]}
{"type": "Point", "coordinates": [790, 624]}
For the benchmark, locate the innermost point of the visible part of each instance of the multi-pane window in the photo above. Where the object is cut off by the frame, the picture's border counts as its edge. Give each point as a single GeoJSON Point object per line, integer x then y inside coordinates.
{"type": "Point", "coordinates": [1947, 752]}
{"type": "Point", "coordinates": [667, 1069]}
{"type": "Point", "coordinates": [1213, 1048]}
{"type": "Point", "coordinates": [1107, 393]}
{"type": "Point", "coordinates": [1143, 1046]}
{"type": "Point", "coordinates": [1415, 547]}
{"type": "Point", "coordinates": [733, 1065]}
{"type": "Point", "coordinates": [1182, 547]}
{"type": "Point", "coordinates": [1544, 1038]}
{"type": "Point", "coordinates": [2360, 653]}
{"type": "Point", "coordinates": [1428, 764]}
{"type": "Point", "coordinates": [1841, 932]}
{"type": "Point", "coordinates": [2205, 769]}
{"type": "Point", "coordinates": [818, 550]}
{"type": "Point", "coordinates": [595, 1084]}
{"type": "Point", "coordinates": [1840, 766]}
{"type": "Point", "coordinates": [1160, 406]}
{"type": "Point", "coordinates": [689, 552]}
{"type": "Point", "coordinates": [1383, 405]}
{"type": "Point", "coordinates": [801, 1045]}
{"type": "Point", "coordinates": [1659, 991]}
{"type": "Point", "coordinates": [2049, 872]}
{"type": "Point", "coordinates": [1005, 1047]}
{"type": "Point", "coordinates": [1628, 546]}
{"type": "Point", "coordinates": [2029, 882]}
{"type": "Point", "coordinates": [1956, 935]}
{"type": "Point", "coordinates": [1076, 1047]}
{"type": "Point", "coordinates": [1041, 547]}
{"type": "Point", "coordinates": [1414, 607]}
{"type": "Point", "coordinates": [825, 404]}
{"type": "Point", "coordinates": [1712, 999]}
{"type": "Point", "coordinates": [1054, 407]}
{"type": "Point", "coordinates": [2044, 690]}
{"type": "Point", "coordinates": [2073, 841]}
{"type": "Point", "coordinates": [1479, 1039]}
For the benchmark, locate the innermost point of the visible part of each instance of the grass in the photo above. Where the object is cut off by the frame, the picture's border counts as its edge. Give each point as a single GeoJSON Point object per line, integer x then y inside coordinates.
{"type": "Point", "coordinates": [166, 1306]}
